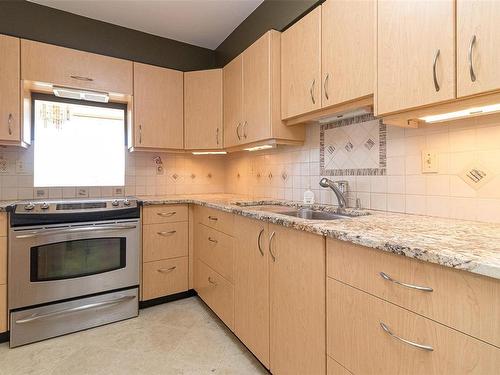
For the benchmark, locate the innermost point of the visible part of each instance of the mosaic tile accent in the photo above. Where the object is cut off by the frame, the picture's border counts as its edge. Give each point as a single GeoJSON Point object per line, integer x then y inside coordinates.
{"type": "Point", "coordinates": [354, 147]}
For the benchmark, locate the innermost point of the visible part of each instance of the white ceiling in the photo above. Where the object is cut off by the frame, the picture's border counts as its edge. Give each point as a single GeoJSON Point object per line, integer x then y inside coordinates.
{"type": "Point", "coordinates": [204, 23]}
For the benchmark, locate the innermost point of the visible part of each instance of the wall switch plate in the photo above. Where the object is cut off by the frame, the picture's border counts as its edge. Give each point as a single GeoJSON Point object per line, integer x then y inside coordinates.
{"type": "Point", "coordinates": [21, 167]}
{"type": "Point", "coordinates": [429, 162]}
{"type": "Point", "coordinates": [476, 175]}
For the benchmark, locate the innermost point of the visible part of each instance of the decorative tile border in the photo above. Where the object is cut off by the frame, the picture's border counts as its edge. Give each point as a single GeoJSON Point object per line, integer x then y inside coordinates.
{"type": "Point", "coordinates": [380, 171]}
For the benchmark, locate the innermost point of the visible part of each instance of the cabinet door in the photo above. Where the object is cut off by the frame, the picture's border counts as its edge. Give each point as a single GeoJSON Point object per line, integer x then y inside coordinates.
{"type": "Point", "coordinates": [297, 291]}
{"type": "Point", "coordinates": [416, 54]}
{"type": "Point", "coordinates": [251, 297]}
{"type": "Point", "coordinates": [301, 66]}
{"type": "Point", "coordinates": [158, 104]}
{"type": "Point", "coordinates": [203, 109]}
{"type": "Point", "coordinates": [347, 50]}
{"type": "Point", "coordinates": [477, 59]}
{"type": "Point", "coordinates": [257, 90]}
{"type": "Point", "coordinates": [233, 102]}
{"type": "Point", "coordinates": [10, 84]}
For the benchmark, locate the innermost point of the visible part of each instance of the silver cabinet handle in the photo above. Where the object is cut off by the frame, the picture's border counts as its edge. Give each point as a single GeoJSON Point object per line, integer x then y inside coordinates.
{"type": "Point", "coordinates": [238, 131]}
{"type": "Point", "coordinates": [258, 242]}
{"type": "Point", "coordinates": [245, 127]}
{"type": "Point", "coordinates": [434, 74]}
{"type": "Point", "coordinates": [421, 288]}
{"type": "Point", "coordinates": [211, 281]}
{"type": "Point", "coordinates": [35, 316]}
{"type": "Point", "coordinates": [414, 344]}
{"type": "Point", "coordinates": [93, 228]}
{"type": "Point", "coordinates": [213, 218]}
{"type": "Point", "coordinates": [166, 270]}
{"type": "Point", "coordinates": [212, 240]}
{"type": "Point", "coordinates": [311, 91]}
{"type": "Point", "coordinates": [9, 123]}
{"type": "Point", "coordinates": [270, 243]}
{"type": "Point", "coordinates": [166, 234]}
{"type": "Point", "coordinates": [81, 78]}
{"type": "Point", "coordinates": [140, 134]}
{"type": "Point", "coordinates": [217, 136]}
{"type": "Point", "coordinates": [325, 86]}
{"type": "Point", "coordinates": [166, 214]}
{"type": "Point", "coordinates": [471, 62]}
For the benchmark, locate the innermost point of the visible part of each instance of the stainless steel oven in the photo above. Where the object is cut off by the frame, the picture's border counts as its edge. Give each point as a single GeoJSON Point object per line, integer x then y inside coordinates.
{"type": "Point", "coordinates": [69, 261]}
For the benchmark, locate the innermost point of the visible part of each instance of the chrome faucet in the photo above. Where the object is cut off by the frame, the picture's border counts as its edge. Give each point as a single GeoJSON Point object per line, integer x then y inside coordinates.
{"type": "Point", "coordinates": [338, 187]}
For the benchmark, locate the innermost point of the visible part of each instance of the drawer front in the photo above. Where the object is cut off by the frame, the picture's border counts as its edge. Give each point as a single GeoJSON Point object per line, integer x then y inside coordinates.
{"type": "Point", "coordinates": [217, 292]}
{"type": "Point", "coordinates": [163, 241]}
{"type": "Point", "coordinates": [220, 220]}
{"type": "Point", "coordinates": [3, 308]}
{"type": "Point", "coordinates": [68, 67]}
{"type": "Point", "coordinates": [165, 214]}
{"type": "Point", "coordinates": [357, 340]}
{"type": "Point", "coordinates": [459, 299]}
{"type": "Point", "coordinates": [3, 260]}
{"type": "Point", "coordinates": [164, 277]}
{"type": "Point", "coordinates": [215, 249]}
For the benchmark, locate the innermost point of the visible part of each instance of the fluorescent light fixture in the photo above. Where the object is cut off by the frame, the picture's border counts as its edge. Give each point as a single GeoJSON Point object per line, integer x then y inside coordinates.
{"type": "Point", "coordinates": [91, 96]}
{"type": "Point", "coordinates": [475, 111]}
{"type": "Point", "coordinates": [344, 115]}
{"type": "Point", "coordinates": [209, 152]}
{"type": "Point", "coordinates": [258, 148]}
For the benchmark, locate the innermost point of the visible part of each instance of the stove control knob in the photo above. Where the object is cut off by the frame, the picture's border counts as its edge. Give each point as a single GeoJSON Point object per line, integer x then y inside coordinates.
{"type": "Point", "coordinates": [126, 202]}
{"type": "Point", "coordinates": [115, 203]}
{"type": "Point", "coordinates": [44, 206]}
{"type": "Point", "coordinates": [29, 207]}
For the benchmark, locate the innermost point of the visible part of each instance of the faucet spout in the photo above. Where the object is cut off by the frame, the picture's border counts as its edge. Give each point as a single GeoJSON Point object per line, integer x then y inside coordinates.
{"type": "Point", "coordinates": [339, 188]}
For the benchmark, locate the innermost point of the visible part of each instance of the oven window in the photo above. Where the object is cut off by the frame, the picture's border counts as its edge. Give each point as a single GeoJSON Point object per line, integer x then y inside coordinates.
{"type": "Point", "coordinates": [69, 259]}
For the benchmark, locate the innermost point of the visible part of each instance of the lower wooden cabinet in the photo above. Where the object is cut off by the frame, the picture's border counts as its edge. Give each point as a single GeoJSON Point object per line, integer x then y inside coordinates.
{"type": "Point", "coordinates": [358, 340]}
{"type": "Point", "coordinates": [164, 277]}
{"type": "Point", "coordinates": [3, 308]}
{"type": "Point", "coordinates": [215, 249]}
{"type": "Point", "coordinates": [163, 241]}
{"type": "Point", "coordinates": [3, 272]}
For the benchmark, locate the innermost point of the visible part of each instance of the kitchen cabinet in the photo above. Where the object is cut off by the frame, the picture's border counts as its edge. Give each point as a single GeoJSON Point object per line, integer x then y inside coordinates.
{"type": "Point", "coordinates": [3, 272]}
{"type": "Point", "coordinates": [297, 301]}
{"type": "Point", "coordinates": [478, 38]}
{"type": "Point", "coordinates": [415, 54]}
{"type": "Point", "coordinates": [47, 63]}
{"type": "Point", "coordinates": [203, 110]}
{"type": "Point", "coordinates": [164, 277]}
{"type": "Point", "coordinates": [252, 96]}
{"type": "Point", "coordinates": [10, 86]}
{"type": "Point", "coordinates": [215, 249]}
{"type": "Point", "coordinates": [251, 292]}
{"type": "Point", "coordinates": [347, 51]}
{"type": "Point", "coordinates": [158, 108]}
{"type": "Point", "coordinates": [301, 66]}
{"type": "Point", "coordinates": [163, 241]}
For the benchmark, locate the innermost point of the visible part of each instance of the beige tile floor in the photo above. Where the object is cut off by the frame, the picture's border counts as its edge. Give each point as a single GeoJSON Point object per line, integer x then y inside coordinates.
{"type": "Point", "coordinates": [182, 337]}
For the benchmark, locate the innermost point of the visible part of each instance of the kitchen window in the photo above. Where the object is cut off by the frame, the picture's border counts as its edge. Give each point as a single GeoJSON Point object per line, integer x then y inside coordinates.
{"type": "Point", "coordinates": [77, 143]}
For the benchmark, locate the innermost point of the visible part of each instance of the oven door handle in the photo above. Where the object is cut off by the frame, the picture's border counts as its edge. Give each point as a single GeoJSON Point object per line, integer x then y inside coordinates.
{"type": "Point", "coordinates": [89, 306]}
{"type": "Point", "coordinates": [93, 228]}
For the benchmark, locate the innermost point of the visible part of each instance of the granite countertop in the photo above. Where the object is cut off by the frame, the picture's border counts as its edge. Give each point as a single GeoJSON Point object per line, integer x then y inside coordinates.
{"type": "Point", "coordinates": [466, 245]}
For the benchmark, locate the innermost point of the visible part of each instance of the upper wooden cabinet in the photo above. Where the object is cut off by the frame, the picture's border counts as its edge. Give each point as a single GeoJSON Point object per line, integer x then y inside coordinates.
{"type": "Point", "coordinates": [10, 86]}
{"type": "Point", "coordinates": [252, 96]}
{"type": "Point", "coordinates": [347, 50]}
{"type": "Point", "coordinates": [203, 110]}
{"type": "Point", "coordinates": [301, 66]}
{"type": "Point", "coordinates": [158, 108]}
{"type": "Point", "coordinates": [478, 38]}
{"type": "Point", "coordinates": [416, 54]}
{"type": "Point", "coordinates": [42, 62]}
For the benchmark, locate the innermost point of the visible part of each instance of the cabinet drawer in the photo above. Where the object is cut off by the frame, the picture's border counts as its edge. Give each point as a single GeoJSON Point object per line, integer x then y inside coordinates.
{"type": "Point", "coordinates": [217, 292]}
{"type": "Point", "coordinates": [165, 214]}
{"type": "Point", "coordinates": [68, 67]}
{"type": "Point", "coordinates": [163, 241]}
{"type": "Point", "coordinates": [3, 260]}
{"type": "Point", "coordinates": [3, 308]}
{"type": "Point", "coordinates": [459, 299]}
{"type": "Point", "coordinates": [215, 249]}
{"type": "Point", "coordinates": [357, 340]}
{"type": "Point", "coordinates": [220, 220]}
{"type": "Point", "coordinates": [164, 277]}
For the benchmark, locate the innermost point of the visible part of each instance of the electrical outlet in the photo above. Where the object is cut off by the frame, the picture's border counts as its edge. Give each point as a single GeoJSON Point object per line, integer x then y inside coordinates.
{"type": "Point", "coordinates": [20, 167]}
{"type": "Point", "coordinates": [429, 162]}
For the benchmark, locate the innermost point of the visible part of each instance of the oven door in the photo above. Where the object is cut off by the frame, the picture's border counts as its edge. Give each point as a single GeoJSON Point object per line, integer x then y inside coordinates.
{"type": "Point", "coordinates": [60, 262]}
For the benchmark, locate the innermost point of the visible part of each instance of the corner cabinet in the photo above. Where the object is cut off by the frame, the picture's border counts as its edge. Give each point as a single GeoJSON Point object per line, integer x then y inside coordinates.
{"type": "Point", "coordinates": [252, 96]}
{"type": "Point", "coordinates": [158, 109]}
{"type": "Point", "coordinates": [203, 110]}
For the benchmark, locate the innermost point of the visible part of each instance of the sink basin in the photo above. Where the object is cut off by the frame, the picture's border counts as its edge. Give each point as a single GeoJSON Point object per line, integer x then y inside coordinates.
{"type": "Point", "coordinates": [305, 213]}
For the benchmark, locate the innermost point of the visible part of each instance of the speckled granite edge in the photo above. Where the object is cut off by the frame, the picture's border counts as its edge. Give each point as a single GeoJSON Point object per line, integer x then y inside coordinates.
{"type": "Point", "coordinates": [465, 245]}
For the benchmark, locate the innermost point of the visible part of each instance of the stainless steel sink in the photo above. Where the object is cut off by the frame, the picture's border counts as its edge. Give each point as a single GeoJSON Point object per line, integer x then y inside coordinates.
{"type": "Point", "coordinates": [305, 213]}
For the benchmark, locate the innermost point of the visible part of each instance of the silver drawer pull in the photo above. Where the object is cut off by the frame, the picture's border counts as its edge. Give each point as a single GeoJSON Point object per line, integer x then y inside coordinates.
{"type": "Point", "coordinates": [211, 281]}
{"type": "Point", "coordinates": [212, 240]}
{"type": "Point", "coordinates": [166, 270]}
{"type": "Point", "coordinates": [414, 344]}
{"type": "Point", "coordinates": [9, 122]}
{"type": "Point", "coordinates": [166, 234]}
{"type": "Point", "coordinates": [81, 78]}
{"type": "Point", "coordinates": [166, 214]}
{"type": "Point", "coordinates": [258, 241]}
{"type": "Point", "coordinates": [270, 246]}
{"type": "Point", "coordinates": [471, 62]}
{"type": "Point", "coordinates": [417, 287]}
{"type": "Point", "coordinates": [434, 74]}
{"type": "Point", "coordinates": [213, 218]}
{"type": "Point", "coordinates": [35, 317]}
